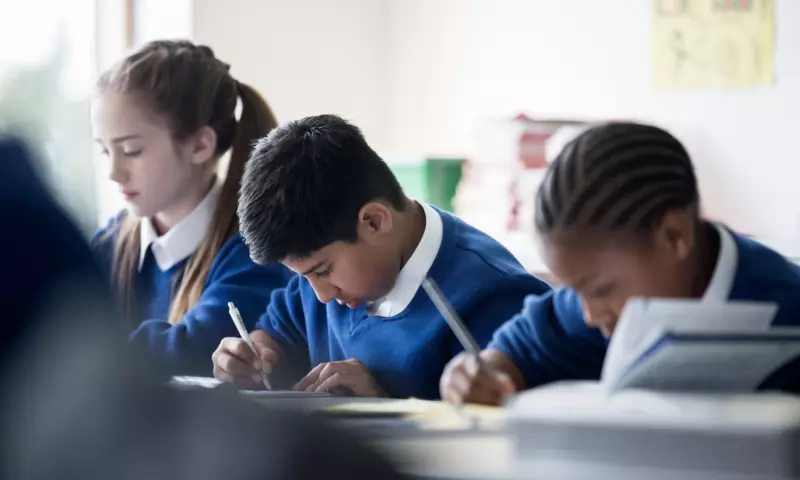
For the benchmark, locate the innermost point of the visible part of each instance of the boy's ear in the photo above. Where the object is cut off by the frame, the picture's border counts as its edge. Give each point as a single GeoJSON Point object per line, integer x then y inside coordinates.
{"type": "Point", "coordinates": [675, 235]}
{"type": "Point", "coordinates": [375, 218]}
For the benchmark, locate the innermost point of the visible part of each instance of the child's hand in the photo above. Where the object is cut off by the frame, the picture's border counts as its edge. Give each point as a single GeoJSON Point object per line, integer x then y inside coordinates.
{"type": "Point", "coordinates": [350, 374]}
{"type": "Point", "coordinates": [466, 380]}
{"type": "Point", "coordinates": [235, 362]}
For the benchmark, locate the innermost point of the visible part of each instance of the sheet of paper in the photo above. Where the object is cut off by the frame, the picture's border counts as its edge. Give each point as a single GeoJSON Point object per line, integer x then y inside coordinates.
{"type": "Point", "coordinates": [391, 407]}
{"type": "Point", "coordinates": [264, 394]}
{"type": "Point", "coordinates": [711, 365]}
{"type": "Point", "coordinates": [194, 382]}
{"type": "Point", "coordinates": [188, 382]}
{"type": "Point", "coordinates": [643, 322]}
{"type": "Point", "coordinates": [427, 414]}
{"type": "Point", "coordinates": [712, 44]}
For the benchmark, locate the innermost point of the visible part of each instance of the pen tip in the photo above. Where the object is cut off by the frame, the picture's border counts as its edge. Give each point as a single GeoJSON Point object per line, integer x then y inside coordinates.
{"type": "Point", "coordinates": [231, 305]}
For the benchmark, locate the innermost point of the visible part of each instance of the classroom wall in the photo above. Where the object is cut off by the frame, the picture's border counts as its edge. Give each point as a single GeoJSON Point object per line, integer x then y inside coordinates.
{"type": "Point", "coordinates": [158, 19]}
{"type": "Point", "coordinates": [306, 56]}
{"type": "Point", "coordinates": [469, 59]}
{"type": "Point", "coordinates": [418, 75]}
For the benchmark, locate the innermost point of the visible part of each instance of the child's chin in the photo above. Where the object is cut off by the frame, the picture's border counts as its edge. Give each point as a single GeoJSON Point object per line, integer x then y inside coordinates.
{"type": "Point", "coordinates": [607, 332]}
{"type": "Point", "coordinates": [351, 305]}
{"type": "Point", "coordinates": [137, 209]}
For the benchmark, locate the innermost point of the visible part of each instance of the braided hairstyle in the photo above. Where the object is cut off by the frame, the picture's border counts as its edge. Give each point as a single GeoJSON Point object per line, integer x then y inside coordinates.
{"type": "Point", "coordinates": [616, 176]}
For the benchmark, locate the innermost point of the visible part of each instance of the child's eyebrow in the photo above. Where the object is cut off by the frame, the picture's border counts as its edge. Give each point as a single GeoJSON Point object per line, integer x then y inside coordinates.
{"type": "Point", "coordinates": [316, 266]}
{"type": "Point", "coordinates": [125, 137]}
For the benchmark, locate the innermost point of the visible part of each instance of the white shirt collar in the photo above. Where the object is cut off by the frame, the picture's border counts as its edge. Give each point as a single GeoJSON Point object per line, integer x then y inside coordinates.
{"type": "Point", "coordinates": [182, 240]}
{"type": "Point", "coordinates": [719, 288]}
{"type": "Point", "coordinates": [415, 269]}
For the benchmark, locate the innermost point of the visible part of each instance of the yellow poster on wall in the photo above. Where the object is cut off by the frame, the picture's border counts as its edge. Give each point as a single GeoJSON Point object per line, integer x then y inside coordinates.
{"type": "Point", "coordinates": [712, 44]}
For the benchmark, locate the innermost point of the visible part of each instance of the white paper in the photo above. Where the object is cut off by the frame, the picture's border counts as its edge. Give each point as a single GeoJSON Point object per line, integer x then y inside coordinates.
{"type": "Point", "coordinates": [261, 394]}
{"type": "Point", "coordinates": [194, 382]}
{"type": "Point", "coordinates": [188, 382]}
{"type": "Point", "coordinates": [712, 365]}
{"type": "Point", "coordinates": [643, 322]}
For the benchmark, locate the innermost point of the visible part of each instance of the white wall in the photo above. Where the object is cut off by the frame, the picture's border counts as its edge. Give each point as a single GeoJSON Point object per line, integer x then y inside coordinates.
{"type": "Point", "coordinates": [160, 19]}
{"type": "Point", "coordinates": [456, 61]}
{"type": "Point", "coordinates": [306, 56]}
{"type": "Point", "coordinates": [418, 74]}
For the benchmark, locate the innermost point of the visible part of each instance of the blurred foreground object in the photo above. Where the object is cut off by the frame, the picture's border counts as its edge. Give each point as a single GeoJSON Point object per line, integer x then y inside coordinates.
{"type": "Point", "coordinates": [566, 429]}
{"type": "Point", "coordinates": [75, 401]}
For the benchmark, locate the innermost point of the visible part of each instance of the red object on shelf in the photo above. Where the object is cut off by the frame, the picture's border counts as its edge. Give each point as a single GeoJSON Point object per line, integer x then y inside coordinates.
{"type": "Point", "coordinates": [534, 138]}
{"type": "Point", "coordinates": [532, 151]}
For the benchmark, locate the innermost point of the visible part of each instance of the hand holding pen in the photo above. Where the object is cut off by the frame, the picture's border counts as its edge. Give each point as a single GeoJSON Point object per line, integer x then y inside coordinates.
{"type": "Point", "coordinates": [466, 378]}
{"type": "Point", "coordinates": [246, 361]}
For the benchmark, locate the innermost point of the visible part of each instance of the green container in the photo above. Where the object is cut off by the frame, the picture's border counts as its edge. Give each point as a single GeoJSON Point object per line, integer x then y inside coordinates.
{"type": "Point", "coordinates": [432, 180]}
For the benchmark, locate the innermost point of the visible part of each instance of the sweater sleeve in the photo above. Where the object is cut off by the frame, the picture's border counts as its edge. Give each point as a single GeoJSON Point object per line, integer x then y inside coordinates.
{"type": "Point", "coordinates": [548, 340]}
{"type": "Point", "coordinates": [285, 322]}
{"type": "Point", "coordinates": [185, 348]}
{"type": "Point", "coordinates": [500, 303]}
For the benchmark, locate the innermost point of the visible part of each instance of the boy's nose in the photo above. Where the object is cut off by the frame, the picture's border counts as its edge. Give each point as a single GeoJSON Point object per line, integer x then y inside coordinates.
{"type": "Point", "coordinates": [325, 291]}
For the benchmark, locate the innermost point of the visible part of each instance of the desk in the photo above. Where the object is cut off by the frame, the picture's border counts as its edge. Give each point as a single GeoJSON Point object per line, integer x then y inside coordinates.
{"type": "Point", "coordinates": [573, 431]}
{"type": "Point", "coordinates": [466, 454]}
{"type": "Point", "coordinates": [451, 456]}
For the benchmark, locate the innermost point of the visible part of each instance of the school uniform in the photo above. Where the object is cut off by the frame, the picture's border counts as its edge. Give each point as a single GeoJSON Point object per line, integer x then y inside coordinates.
{"type": "Point", "coordinates": [186, 347]}
{"type": "Point", "coordinates": [61, 365]}
{"type": "Point", "coordinates": [402, 339]}
{"type": "Point", "coordinates": [549, 341]}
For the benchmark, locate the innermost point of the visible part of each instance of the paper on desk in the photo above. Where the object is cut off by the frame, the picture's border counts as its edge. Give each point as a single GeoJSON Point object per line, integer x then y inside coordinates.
{"type": "Point", "coordinates": [392, 407]}
{"type": "Point", "coordinates": [430, 414]}
{"type": "Point", "coordinates": [265, 394]}
{"type": "Point", "coordinates": [643, 322]}
{"type": "Point", "coordinates": [194, 382]}
{"type": "Point", "coordinates": [188, 382]}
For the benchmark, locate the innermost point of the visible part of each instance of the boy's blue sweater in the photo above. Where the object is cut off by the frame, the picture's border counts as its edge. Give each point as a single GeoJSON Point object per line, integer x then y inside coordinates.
{"type": "Point", "coordinates": [405, 353]}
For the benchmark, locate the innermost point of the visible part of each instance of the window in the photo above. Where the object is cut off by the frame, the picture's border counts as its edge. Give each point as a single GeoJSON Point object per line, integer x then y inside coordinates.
{"type": "Point", "coordinates": [47, 68]}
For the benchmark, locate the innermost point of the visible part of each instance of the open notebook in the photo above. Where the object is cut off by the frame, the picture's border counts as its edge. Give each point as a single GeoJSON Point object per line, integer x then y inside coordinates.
{"type": "Point", "coordinates": [689, 345]}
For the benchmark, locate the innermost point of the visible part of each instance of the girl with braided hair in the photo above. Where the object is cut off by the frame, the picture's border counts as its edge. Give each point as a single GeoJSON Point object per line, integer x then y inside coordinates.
{"type": "Point", "coordinates": [618, 216]}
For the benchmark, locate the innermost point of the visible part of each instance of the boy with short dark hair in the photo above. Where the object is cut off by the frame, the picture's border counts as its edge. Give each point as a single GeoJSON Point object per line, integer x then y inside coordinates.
{"type": "Point", "coordinates": [318, 199]}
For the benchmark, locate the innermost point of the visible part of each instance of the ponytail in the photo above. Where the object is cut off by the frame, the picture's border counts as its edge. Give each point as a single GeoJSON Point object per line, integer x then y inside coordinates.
{"type": "Point", "coordinates": [256, 121]}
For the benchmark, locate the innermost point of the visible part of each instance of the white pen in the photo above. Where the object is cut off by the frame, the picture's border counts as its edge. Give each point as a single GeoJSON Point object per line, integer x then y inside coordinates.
{"type": "Point", "coordinates": [451, 317]}
{"type": "Point", "coordinates": [458, 327]}
{"type": "Point", "coordinates": [237, 320]}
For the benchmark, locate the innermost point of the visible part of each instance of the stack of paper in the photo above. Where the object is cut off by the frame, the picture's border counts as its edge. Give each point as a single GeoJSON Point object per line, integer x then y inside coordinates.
{"type": "Point", "coordinates": [688, 345]}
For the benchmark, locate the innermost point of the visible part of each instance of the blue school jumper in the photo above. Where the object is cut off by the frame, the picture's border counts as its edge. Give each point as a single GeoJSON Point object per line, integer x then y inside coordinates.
{"type": "Point", "coordinates": [186, 347]}
{"type": "Point", "coordinates": [405, 353]}
{"type": "Point", "coordinates": [549, 341]}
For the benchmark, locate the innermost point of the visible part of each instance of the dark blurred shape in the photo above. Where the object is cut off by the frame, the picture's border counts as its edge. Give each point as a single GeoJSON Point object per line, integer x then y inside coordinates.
{"type": "Point", "coordinates": [41, 247]}
{"type": "Point", "coordinates": [76, 402]}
